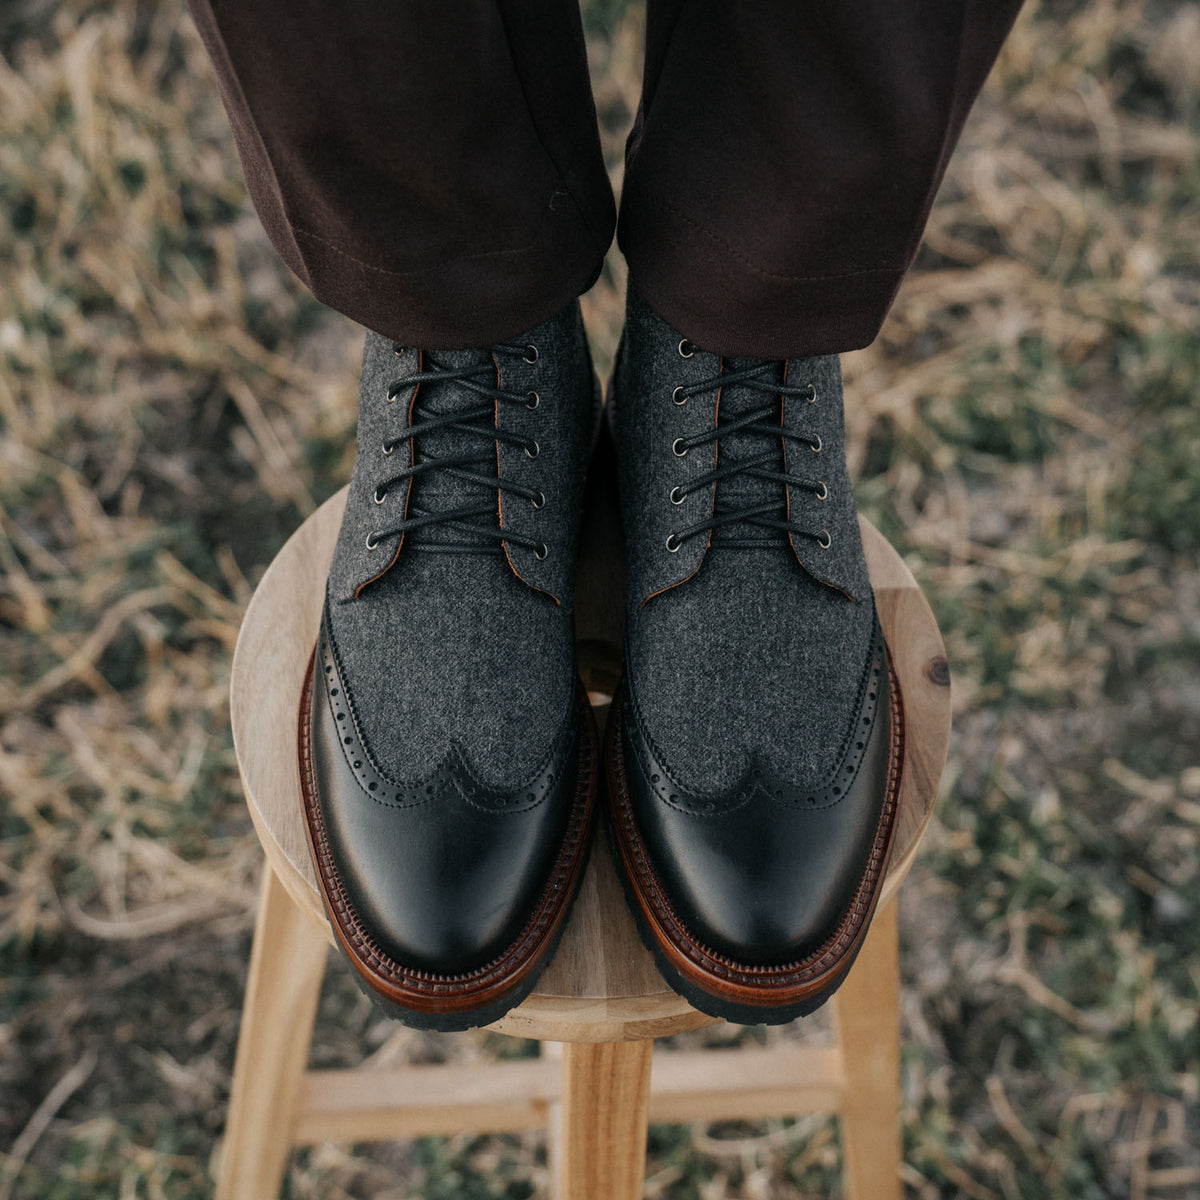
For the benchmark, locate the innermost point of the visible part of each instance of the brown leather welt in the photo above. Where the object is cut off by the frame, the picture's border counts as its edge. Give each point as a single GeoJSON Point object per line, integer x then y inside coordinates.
{"type": "Point", "coordinates": [744, 983]}
{"type": "Point", "coordinates": [426, 991]}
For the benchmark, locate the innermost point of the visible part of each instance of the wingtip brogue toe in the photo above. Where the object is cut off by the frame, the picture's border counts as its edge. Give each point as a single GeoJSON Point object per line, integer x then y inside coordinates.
{"type": "Point", "coordinates": [448, 755]}
{"type": "Point", "coordinates": [755, 752]}
{"type": "Point", "coordinates": [447, 896]}
{"type": "Point", "coordinates": [755, 897]}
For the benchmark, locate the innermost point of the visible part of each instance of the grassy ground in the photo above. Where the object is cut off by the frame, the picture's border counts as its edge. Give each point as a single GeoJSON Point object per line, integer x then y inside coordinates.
{"type": "Point", "coordinates": [1025, 430]}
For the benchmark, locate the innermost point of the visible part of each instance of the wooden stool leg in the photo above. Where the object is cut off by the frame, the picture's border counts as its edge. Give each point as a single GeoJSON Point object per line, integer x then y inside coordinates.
{"type": "Point", "coordinates": [866, 1010]}
{"type": "Point", "coordinates": [605, 1113]}
{"type": "Point", "coordinates": [286, 967]}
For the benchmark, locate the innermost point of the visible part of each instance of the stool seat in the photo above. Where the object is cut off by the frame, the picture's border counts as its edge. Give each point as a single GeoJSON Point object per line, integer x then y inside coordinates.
{"type": "Point", "coordinates": [600, 1003]}
{"type": "Point", "coordinates": [602, 985]}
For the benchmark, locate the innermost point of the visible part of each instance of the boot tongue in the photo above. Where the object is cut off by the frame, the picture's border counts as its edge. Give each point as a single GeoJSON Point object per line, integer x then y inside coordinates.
{"type": "Point", "coordinates": [744, 490]}
{"type": "Point", "coordinates": [441, 490]}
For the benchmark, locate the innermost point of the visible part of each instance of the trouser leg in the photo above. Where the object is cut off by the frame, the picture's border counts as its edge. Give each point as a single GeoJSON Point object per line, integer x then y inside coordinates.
{"type": "Point", "coordinates": [430, 169]}
{"type": "Point", "coordinates": [786, 156]}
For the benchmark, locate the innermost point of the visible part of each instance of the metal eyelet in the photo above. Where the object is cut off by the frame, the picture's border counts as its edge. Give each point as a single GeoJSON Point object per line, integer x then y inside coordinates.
{"type": "Point", "coordinates": [812, 396]}
{"type": "Point", "coordinates": [541, 552]}
{"type": "Point", "coordinates": [388, 449]}
{"type": "Point", "coordinates": [532, 400]}
{"type": "Point", "coordinates": [532, 450]}
{"type": "Point", "coordinates": [391, 396]}
{"type": "Point", "coordinates": [675, 447]}
{"type": "Point", "coordinates": [677, 496]}
{"type": "Point", "coordinates": [399, 351]}
{"type": "Point", "coordinates": [372, 541]}
{"type": "Point", "coordinates": [824, 540]}
{"type": "Point", "coordinates": [380, 495]}
{"type": "Point", "coordinates": [531, 353]}
{"type": "Point", "coordinates": [823, 494]}
{"type": "Point", "coordinates": [678, 396]}
{"type": "Point", "coordinates": [673, 543]}
{"type": "Point", "coordinates": [817, 448]}
{"type": "Point", "coordinates": [686, 348]}
{"type": "Point", "coordinates": [538, 500]}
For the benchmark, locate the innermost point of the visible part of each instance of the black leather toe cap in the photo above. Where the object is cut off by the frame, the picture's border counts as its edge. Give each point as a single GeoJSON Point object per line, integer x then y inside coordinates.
{"type": "Point", "coordinates": [764, 871]}
{"type": "Point", "coordinates": [442, 873]}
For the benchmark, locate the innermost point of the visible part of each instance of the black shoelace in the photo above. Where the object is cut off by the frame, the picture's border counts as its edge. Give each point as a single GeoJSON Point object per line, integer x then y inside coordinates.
{"type": "Point", "coordinates": [469, 466]}
{"type": "Point", "coordinates": [763, 424]}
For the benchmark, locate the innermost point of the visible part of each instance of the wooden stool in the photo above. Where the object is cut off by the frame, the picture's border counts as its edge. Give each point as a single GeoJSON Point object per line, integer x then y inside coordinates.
{"type": "Point", "coordinates": [601, 995]}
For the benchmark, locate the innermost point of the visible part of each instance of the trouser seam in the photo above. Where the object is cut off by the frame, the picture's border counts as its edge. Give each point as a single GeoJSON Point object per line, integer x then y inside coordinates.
{"type": "Point", "coordinates": [563, 186]}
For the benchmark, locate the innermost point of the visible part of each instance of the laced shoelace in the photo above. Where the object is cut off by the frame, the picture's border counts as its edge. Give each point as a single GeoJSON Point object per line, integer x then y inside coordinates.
{"type": "Point", "coordinates": [765, 421]}
{"type": "Point", "coordinates": [467, 466]}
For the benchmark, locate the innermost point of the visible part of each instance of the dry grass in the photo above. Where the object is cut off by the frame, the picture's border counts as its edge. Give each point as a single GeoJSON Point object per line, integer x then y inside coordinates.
{"type": "Point", "coordinates": [1025, 430]}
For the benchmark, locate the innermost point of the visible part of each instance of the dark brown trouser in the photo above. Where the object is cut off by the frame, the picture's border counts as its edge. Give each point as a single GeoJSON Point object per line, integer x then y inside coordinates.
{"type": "Point", "coordinates": [432, 168]}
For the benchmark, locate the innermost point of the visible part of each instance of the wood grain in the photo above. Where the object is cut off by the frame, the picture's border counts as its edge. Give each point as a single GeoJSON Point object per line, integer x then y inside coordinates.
{"type": "Point", "coordinates": [420, 1100]}
{"type": "Point", "coordinates": [920, 659]}
{"type": "Point", "coordinates": [605, 1116]}
{"type": "Point", "coordinates": [866, 1017]}
{"type": "Point", "coordinates": [602, 984]}
{"type": "Point", "coordinates": [286, 967]}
